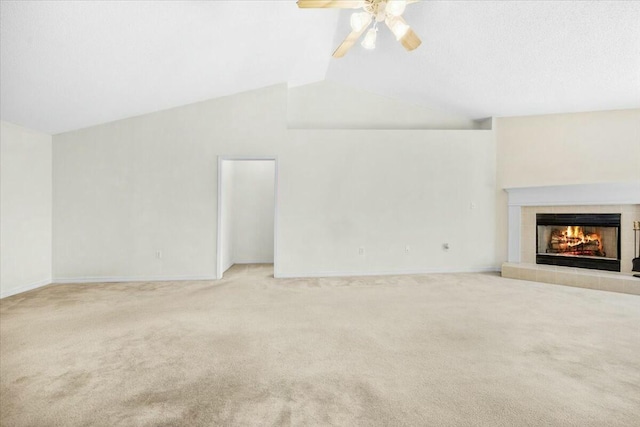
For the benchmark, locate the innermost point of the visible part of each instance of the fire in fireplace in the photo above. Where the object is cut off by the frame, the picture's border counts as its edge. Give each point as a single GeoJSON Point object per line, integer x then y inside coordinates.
{"type": "Point", "coordinates": [579, 240]}
{"type": "Point", "coordinates": [576, 240]}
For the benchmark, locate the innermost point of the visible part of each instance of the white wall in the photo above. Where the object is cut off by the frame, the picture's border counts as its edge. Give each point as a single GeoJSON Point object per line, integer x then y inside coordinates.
{"type": "Point", "coordinates": [329, 105]}
{"type": "Point", "coordinates": [25, 209]}
{"type": "Point", "coordinates": [560, 149]}
{"type": "Point", "coordinates": [126, 189]}
{"type": "Point", "coordinates": [383, 191]}
{"type": "Point", "coordinates": [253, 211]}
{"type": "Point", "coordinates": [575, 148]}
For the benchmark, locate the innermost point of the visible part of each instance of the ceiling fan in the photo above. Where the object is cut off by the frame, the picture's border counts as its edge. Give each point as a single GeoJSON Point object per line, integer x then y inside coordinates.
{"type": "Point", "coordinates": [376, 11]}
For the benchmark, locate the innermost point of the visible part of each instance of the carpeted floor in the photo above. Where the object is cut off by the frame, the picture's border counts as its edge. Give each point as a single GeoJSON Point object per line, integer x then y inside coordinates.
{"type": "Point", "coordinates": [427, 350]}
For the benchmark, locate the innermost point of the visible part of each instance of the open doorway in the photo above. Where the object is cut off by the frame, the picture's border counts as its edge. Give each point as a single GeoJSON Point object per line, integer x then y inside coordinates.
{"type": "Point", "coordinates": [247, 207]}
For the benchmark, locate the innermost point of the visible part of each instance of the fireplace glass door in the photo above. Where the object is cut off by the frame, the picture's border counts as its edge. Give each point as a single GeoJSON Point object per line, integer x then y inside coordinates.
{"type": "Point", "coordinates": [579, 240]}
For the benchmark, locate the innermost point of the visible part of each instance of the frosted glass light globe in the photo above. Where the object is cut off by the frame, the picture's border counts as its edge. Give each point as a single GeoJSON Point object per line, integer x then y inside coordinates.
{"type": "Point", "coordinates": [369, 41]}
{"type": "Point", "coordinates": [396, 7]}
{"type": "Point", "coordinates": [360, 20]}
{"type": "Point", "coordinates": [397, 27]}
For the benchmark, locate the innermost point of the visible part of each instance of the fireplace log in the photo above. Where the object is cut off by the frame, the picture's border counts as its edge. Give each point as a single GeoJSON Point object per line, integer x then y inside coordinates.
{"type": "Point", "coordinates": [564, 239]}
{"type": "Point", "coordinates": [565, 245]}
{"type": "Point", "coordinates": [586, 249]}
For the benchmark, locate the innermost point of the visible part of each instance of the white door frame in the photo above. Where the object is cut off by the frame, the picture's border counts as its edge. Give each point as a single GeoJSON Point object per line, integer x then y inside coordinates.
{"type": "Point", "coordinates": [221, 159]}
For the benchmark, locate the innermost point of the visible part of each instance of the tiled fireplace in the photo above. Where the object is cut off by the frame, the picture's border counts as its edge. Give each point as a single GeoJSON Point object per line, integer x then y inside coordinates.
{"type": "Point", "coordinates": [579, 235]}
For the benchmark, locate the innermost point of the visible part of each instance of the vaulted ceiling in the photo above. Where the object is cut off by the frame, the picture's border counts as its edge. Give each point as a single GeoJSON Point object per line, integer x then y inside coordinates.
{"type": "Point", "coordinates": [71, 64]}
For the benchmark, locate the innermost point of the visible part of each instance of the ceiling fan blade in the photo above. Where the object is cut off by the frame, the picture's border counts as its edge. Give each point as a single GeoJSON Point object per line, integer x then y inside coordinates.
{"type": "Point", "coordinates": [410, 39]}
{"type": "Point", "coordinates": [351, 39]}
{"type": "Point", "coordinates": [340, 4]}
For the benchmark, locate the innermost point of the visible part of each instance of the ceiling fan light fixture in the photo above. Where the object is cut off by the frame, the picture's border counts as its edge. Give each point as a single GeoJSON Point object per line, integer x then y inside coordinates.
{"type": "Point", "coordinates": [369, 41]}
{"type": "Point", "coordinates": [395, 7]}
{"type": "Point", "coordinates": [397, 27]}
{"type": "Point", "coordinates": [364, 22]}
{"type": "Point", "coordinates": [360, 20]}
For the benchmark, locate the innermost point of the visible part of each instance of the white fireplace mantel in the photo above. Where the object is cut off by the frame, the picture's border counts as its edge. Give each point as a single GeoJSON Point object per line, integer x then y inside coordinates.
{"type": "Point", "coordinates": [615, 193]}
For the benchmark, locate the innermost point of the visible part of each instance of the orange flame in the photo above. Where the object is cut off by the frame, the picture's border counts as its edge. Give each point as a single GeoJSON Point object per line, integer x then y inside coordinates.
{"type": "Point", "coordinates": [576, 236]}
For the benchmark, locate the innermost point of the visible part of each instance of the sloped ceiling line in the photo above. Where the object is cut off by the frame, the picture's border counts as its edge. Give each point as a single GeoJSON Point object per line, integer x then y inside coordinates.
{"type": "Point", "coordinates": [65, 65]}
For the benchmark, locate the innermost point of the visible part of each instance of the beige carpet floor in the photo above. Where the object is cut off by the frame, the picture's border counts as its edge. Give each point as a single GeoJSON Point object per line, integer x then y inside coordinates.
{"type": "Point", "coordinates": [424, 350]}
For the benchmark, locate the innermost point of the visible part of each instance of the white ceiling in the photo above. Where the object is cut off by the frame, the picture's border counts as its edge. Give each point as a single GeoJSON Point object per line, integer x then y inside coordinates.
{"type": "Point", "coordinates": [508, 58]}
{"type": "Point", "coordinates": [71, 64]}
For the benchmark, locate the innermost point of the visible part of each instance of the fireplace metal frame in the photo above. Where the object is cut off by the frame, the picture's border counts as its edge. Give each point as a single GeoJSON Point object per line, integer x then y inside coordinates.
{"type": "Point", "coordinates": [593, 263]}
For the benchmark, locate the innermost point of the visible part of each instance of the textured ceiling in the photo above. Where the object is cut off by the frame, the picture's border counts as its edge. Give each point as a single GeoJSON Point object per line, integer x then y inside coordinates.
{"type": "Point", "coordinates": [507, 58]}
{"type": "Point", "coordinates": [70, 64]}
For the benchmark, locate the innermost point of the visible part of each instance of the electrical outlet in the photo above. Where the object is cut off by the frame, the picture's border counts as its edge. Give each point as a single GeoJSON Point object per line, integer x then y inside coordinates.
{"type": "Point", "coordinates": [361, 250]}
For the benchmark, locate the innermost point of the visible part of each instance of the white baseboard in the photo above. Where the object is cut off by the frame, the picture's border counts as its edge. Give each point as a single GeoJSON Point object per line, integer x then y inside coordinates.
{"type": "Point", "coordinates": [25, 288]}
{"type": "Point", "coordinates": [386, 273]}
{"type": "Point", "coordinates": [268, 261]}
{"type": "Point", "coordinates": [118, 279]}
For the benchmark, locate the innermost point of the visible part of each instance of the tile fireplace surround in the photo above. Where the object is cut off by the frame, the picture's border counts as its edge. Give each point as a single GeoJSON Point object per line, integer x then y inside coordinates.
{"type": "Point", "coordinates": [526, 202]}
